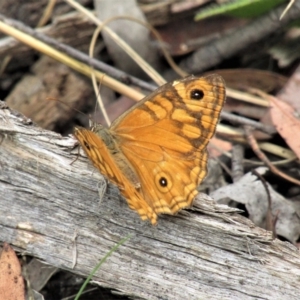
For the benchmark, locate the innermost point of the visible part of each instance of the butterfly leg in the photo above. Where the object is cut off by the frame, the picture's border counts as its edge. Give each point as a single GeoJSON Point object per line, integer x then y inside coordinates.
{"type": "Point", "coordinates": [102, 187]}
{"type": "Point", "coordinates": [76, 145]}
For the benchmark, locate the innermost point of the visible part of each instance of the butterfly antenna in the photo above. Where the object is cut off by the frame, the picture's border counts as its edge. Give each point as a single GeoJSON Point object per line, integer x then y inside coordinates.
{"type": "Point", "coordinates": [77, 110]}
{"type": "Point", "coordinates": [93, 76]}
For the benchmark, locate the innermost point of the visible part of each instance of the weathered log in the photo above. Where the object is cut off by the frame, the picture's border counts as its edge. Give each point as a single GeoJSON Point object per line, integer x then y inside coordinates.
{"type": "Point", "coordinates": [208, 252]}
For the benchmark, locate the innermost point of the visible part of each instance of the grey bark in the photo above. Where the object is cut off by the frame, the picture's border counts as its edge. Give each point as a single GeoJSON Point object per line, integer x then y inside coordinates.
{"type": "Point", "coordinates": [209, 252]}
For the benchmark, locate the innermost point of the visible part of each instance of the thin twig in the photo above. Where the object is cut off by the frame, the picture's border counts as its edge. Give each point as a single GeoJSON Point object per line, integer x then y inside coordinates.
{"type": "Point", "coordinates": [287, 9]}
{"type": "Point", "coordinates": [244, 121]}
{"type": "Point", "coordinates": [237, 162]}
{"type": "Point", "coordinates": [156, 77]}
{"type": "Point", "coordinates": [75, 254]}
{"type": "Point", "coordinates": [245, 36]}
{"type": "Point", "coordinates": [46, 13]}
{"type": "Point", "coordinates": [254, 145]}
{"type": "Point", "coordinates": [269, 216]}
{"type": "Point", "coordinates": [275, 219]}
{"type": "Point", "coordinates": [80, 56]}
{"type": "Point", "coordinates": [68, 61]}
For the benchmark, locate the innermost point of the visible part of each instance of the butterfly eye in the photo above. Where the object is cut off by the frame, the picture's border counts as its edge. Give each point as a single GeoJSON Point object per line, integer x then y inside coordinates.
{"type": "Point", "coordinates": [197, 94]}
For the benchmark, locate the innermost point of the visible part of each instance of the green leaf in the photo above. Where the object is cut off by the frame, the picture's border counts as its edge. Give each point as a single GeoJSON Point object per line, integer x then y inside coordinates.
{"type": "Point", "coordinates": [239, 8]}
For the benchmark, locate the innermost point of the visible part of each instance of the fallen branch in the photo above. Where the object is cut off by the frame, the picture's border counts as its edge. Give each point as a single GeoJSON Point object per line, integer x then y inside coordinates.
{"type": "Point", "coordinates": [207, 252]}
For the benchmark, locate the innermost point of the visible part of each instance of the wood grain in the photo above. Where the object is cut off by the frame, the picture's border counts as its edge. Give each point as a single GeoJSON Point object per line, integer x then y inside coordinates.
{"type": "Point", "coordinates": [208, 252]}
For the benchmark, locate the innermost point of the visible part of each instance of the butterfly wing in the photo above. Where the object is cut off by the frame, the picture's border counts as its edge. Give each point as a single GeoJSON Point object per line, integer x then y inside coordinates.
{"type": "Point", "coordinates": [164, 138]}
{"type": "Point", "coordinates": [102, 158]}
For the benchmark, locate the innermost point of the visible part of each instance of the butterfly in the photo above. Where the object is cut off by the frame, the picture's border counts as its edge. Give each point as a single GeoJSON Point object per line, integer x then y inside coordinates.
{"type": "Point", "coordinates": [155, 152]}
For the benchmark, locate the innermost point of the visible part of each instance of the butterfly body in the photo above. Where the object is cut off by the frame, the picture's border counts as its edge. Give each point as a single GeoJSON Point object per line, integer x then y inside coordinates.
{"type": "Point", "coordinates": [156, 151]}
{"type": "Point", "coordinates": [122, 163]}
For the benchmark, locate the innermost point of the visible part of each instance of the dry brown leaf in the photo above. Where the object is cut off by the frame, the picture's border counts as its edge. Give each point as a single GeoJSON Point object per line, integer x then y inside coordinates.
{"type": "Point", "coordinates": [39, 273]}
{"type": "Point", "coordinates": [187, 35]}
{"type": "Point", "coordinates": [290, 92]}
{"type": "Point", "coordinates": [251, 192]}
{"type": "Point", "coordinates": [215, 177]}
{"type": "Point", "coordinates": [217, 147]}
{"type": "Point", "coordinates": [245, 78]}
{"type": "Point", "coordinates": [11, 280]}
{"type": "Point", "coordinates": [284, 118]}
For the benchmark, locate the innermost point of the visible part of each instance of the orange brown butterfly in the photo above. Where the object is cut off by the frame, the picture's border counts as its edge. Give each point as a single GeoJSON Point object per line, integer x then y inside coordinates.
{"type": "Point", "coordinates": [156, 152]}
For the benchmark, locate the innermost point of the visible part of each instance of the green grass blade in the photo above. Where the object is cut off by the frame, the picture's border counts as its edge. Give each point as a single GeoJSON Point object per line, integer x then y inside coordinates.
{"type": "Point", "coordinates": [239, 8]}
{"type": "Point", "coordinates": [99, 265]}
